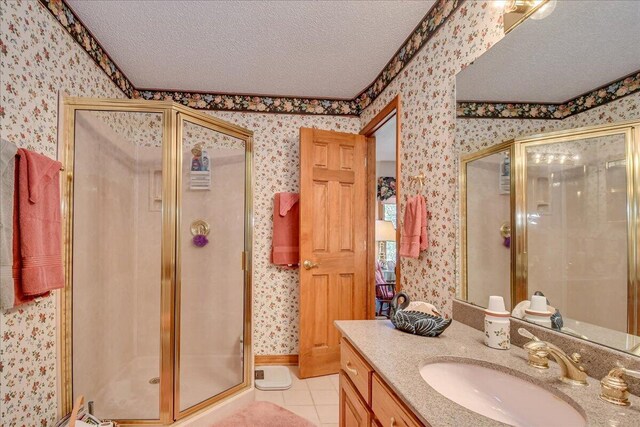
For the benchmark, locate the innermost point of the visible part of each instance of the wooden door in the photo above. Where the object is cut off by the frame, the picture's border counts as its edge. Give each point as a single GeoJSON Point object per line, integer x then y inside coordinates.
{"type": "Point", "coordinates": [333, 243]}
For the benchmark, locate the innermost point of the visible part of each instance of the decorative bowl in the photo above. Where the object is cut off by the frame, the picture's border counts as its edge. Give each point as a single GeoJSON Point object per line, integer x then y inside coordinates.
{"type": "Point", "coordinates": [415, 322]}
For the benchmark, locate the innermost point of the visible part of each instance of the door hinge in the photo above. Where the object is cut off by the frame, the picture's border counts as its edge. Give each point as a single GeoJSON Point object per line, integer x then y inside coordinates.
{"type": "Point", "coordinates": [244, 261]}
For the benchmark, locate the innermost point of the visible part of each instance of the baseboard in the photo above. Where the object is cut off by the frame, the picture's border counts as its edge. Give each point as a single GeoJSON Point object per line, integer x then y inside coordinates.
{"type": "Point", "coordinates": [276, 359]}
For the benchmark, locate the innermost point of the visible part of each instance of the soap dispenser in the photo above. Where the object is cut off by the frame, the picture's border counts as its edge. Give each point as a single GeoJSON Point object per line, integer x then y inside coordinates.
{"type": "Point", "coordinates": [497, 325]}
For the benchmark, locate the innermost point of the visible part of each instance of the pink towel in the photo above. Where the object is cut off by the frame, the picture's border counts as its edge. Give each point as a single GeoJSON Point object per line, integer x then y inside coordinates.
{"type": "Point", "coordinates": [37, 241]}
{"type": "Point", "coordinates": [413, 238]}
{"type": "Point", "coordinates": [286, 230]}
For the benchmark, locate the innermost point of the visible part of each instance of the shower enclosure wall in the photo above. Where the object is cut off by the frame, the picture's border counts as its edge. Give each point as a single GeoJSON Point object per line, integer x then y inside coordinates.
{"type": "Point", "coordinates": [156, 311]}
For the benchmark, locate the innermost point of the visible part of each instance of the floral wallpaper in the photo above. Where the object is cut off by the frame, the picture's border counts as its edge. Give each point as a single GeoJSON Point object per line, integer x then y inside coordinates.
{"type": "Point", "coordinates": [430, 143]}
{"type": "Point", "coordinates": [38, 62]}
{"type": "Point", "coordinates": [427, 90]}
{"type": "Point", "coordinates": [597, 97]}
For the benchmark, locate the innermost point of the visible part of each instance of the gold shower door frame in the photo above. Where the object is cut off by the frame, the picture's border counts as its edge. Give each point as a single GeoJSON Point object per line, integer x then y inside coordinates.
{"type": "Point", "coordinates": [519, 261]}
{"type": "Point", "coordinates": [173, 117]}
{"type": "Point", "coordinates": [464, 161]}
{"type": "Point", "coordinates": [631, 132]}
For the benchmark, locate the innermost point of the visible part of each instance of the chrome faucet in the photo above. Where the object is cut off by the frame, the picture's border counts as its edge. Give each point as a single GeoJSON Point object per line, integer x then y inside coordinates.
{"type": "Point", "coordinates": [572, 371]}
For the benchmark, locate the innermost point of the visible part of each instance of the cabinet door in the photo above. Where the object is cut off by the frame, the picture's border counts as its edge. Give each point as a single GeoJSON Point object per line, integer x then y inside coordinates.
{"type": "Point", "coordinates": [388, 409]}
{"type": "Point", "coordinates": [353, 410]}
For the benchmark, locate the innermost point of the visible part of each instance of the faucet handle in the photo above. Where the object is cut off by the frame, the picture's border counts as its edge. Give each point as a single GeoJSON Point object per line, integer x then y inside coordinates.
{"type": "Point", "coordinates": [538, 354]}
{"type": "Point", "coordinates": [613, 387]}
{"type": "Point", "coordinates": [538, 350]}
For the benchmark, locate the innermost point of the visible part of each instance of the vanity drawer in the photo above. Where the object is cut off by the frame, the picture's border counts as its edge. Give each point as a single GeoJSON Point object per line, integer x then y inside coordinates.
{"type": "Point", "coordinates": [353, 409]}
{"type": "Point", "coordinates": [358, 371]}
{"type": "Point", "coordinates": [387, 408]}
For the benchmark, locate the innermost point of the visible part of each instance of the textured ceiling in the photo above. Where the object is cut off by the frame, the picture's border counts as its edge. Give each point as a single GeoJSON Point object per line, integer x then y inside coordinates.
{"type": "Point", "coordinates": [579, 47]}
{"type": "Point", "coordinates": [298, 48]}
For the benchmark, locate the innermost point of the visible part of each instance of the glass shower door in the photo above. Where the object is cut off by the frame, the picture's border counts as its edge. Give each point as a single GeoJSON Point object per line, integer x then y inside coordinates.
{"type": "Point", "coordinates": [211, 286]}
{"type": "Point", "coordinates": [117, 222]}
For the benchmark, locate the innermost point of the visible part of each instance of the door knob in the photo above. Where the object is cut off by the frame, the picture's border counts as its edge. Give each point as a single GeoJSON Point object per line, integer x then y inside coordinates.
{"type": "Point", "coordinates": [308, 265]}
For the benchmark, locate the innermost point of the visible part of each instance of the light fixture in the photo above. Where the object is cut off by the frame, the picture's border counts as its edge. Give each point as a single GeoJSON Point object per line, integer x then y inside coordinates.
{"type": "Point", "coordinates": [507, 6]}
{"type": "Point", "coordinates": [514, 12]}
{"type": "Point", "coordinates": [385, 232]}
{"type": "Point", "coordinates": [544, 10]}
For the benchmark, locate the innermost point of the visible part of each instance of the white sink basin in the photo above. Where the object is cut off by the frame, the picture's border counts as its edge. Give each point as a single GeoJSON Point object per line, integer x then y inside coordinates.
{"type": "Point", "coordinates": [500, 396]}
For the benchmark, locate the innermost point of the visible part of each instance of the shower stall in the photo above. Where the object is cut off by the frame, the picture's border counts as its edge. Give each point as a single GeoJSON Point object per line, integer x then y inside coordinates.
{"type": "Point", "coordinates": [155, 317]}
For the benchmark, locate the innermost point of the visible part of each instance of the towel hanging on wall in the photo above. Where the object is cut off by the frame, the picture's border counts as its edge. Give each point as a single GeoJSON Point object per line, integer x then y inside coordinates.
{"type": "Point", "coordinates": [285, 249]}
{"type": "Point", "coordinates": [414, 237]}
{"type": "Point", "coordinates": [37, 227]}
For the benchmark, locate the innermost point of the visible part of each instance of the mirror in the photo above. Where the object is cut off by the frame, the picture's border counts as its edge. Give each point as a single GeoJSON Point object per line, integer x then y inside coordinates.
{"type": "Point", "coordinates": [386, 218]}
{"type": "Point", "coordinates": [548, 132]}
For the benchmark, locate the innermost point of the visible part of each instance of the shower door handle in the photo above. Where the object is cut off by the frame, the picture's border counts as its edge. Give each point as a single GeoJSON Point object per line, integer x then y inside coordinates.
{"type": "Point", "coordinates": [308, 265]}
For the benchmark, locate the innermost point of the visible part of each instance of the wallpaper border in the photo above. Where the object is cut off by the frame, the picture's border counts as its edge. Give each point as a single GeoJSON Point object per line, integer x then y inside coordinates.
{"type": "Point", "coordinates": [79, 32]}
{"type": "Point", "coordinates": [435, 18]}
{"type": "Point", "coordinates": [424, 31]}
{"type": "Point", "coordinates": [620, 88]}
{"type": "Point", "coordinates": [428, 26]}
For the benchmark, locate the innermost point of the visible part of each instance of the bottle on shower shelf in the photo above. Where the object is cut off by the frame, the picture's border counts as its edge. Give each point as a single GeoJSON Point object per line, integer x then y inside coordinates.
{"type": "Point", "coordinates": [204, 160]}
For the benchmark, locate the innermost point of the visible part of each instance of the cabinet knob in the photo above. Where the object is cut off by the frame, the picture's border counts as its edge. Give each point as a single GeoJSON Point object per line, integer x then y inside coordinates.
{"type": "Point", "coordinates": [351, 369]}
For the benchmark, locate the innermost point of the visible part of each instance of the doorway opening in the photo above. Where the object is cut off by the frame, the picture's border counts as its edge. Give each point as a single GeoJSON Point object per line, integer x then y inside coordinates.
{"type": "Point", "coordinates": [383, 189]}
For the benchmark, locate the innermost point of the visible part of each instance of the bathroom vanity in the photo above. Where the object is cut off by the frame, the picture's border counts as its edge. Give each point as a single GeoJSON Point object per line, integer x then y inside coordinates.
{"type": "Point", "coordinates": [365, 397]}
{"type": "Point", "coordinates": [384, 373]}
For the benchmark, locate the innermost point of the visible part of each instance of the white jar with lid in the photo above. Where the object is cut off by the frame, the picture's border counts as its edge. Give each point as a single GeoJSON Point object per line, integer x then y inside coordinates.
{"type": "Point", "coordinates": [497, 324]}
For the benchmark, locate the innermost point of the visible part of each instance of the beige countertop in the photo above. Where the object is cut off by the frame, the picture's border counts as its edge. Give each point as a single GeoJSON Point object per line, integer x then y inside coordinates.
{"type": "Point", "coordinates": [397, 357]}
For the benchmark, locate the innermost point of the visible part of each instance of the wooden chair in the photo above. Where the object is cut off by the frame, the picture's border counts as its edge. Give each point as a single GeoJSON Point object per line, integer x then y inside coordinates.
{"type": "Point", "coordinates": [384, 295]}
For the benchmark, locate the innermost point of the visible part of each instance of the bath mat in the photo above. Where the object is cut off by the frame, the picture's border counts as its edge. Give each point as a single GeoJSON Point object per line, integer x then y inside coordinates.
{"type": "Point", "coordinates": [263, 414]}
{"type": "Point", "coordinates": [271, 378]}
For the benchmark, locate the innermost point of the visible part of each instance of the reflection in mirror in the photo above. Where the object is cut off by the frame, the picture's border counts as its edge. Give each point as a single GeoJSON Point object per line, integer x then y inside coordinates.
{"type": "Point", "coordinates": [486, 192]}
{"type": "Point", "coordinates": [386, 220]}
{"type": "Point", "coordinates": [576, 236]}
{"type": "Point", "coordinates": [563, 94]}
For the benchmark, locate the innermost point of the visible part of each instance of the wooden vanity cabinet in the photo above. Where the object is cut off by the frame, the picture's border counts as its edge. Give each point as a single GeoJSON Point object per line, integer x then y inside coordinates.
{"type": "Point", "coordinates": [354, 411]}
{"type": "Point", "coordinates": [365, 399]}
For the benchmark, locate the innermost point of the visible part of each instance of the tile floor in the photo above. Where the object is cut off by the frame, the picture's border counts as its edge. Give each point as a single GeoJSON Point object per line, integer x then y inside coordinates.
{"type": "Point", "coordinates": [315, 399]}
